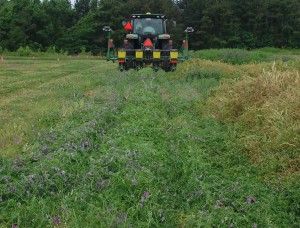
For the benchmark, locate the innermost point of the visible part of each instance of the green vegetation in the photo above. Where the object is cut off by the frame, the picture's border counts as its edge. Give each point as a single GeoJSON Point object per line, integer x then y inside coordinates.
{"type": "Point", "coordinates": [213, 144]}
{"type": "Point", "coordinates": [241, 56]}
{"type": "Point", "coordinates": [33, 92]}
{"type": "Point", "coordinates": [56, 25]}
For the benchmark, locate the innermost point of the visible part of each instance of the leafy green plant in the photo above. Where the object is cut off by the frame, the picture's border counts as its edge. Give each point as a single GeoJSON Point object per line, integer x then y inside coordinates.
{"type": "Point", "coordinates": [82, 50]}
{"type": "Point", "coordinates": [51, 50]}
{"type": "Point", "coordinates": [24, 51]}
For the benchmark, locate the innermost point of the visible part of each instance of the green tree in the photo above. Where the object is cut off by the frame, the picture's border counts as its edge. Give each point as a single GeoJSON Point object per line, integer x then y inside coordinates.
{"type": "Point", "coordinates": [217, 23]}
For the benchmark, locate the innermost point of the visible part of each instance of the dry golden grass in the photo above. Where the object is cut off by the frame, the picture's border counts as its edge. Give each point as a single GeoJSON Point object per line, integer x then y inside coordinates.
{"type": "Point", "coordinates": [194, 65]}
{"type": "Point", "coordinates": [237, 97]}
{"type": "Point", "coordinates": [265, 108]}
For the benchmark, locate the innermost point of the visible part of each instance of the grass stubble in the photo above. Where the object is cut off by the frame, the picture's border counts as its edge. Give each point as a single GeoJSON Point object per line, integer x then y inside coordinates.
{"type": "Point", "coordinates": [95, 147]}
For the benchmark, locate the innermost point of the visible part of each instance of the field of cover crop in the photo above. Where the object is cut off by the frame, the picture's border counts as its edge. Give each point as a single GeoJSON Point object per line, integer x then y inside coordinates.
{"type": "Point", "coordinates": [214, 144]}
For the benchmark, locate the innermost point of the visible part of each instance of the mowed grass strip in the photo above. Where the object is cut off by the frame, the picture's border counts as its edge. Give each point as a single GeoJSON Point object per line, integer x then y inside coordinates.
{"type": "Point", "coordinates": [33, 94]}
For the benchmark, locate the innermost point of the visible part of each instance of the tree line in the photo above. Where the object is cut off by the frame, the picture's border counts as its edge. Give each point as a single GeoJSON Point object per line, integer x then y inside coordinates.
{"type": "Point", "coordinates": [59, 26]}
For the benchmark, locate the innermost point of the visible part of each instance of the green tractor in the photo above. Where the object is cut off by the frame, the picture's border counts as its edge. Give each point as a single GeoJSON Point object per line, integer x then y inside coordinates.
{"type": "Point", "coordinates": [147, 43]}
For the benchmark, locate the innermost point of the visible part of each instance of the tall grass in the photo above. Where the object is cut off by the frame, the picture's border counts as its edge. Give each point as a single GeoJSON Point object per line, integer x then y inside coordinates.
{"type": "Point", "coordinates": [266, 112]}
{"type": "Point", "coordinates": [241, 56]}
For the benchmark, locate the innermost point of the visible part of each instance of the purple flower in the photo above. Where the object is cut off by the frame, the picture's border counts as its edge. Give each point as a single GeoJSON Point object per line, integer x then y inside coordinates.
{"type": "Point", "coordinates": [85, 145]}
{"type": "Point", "coordinates": [254, 225]}
{"type": "Point", "coordinates": [101, 216]}
{"type": "Point", "coordinates": [6, 179]}
{"type": "Point", "coordinates": [18, 163]}
{"type": "Point", "coordinates": [17, 140]}
{"type": "Point", "coordinates": [121, 217]}
{"type": "Point", "coordinates": [250, 199]}
{"type": "Point", "coordinates": [219, 204]}
{"type": "Point", "coordinates": [100, 184]}
{"type": "Point", "coordinates": [30, 178]}
{"type": "Point", "coordinates": [56, 220]}
{"type": "Point", "coordinates": [28, 193]}
{"type": "Point", "coordinates": [93, 123]}
{"type": "Point", "coordinates": [44, 150]}
{"type": "Point", "coordinates": [146, 194]}
{"type": "Point", "coordinates": [14, 226]}
{"type": "Point", "coordinates": [134, 182]}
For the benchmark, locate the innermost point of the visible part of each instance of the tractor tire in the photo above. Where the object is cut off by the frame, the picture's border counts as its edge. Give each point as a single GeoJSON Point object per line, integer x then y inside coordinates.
{"type": "Point", "coordinates": [166, 66]}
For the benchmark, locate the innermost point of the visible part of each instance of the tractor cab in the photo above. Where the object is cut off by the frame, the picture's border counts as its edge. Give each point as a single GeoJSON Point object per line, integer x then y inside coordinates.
{"type": "Point", "coordinates": [150, 27]}
{"type": "Point", "coordinates": [144, 24]}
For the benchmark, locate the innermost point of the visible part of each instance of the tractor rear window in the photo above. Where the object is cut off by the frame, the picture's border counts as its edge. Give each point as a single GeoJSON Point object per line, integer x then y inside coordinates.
{"type": "Point", "coordinates": [147, 26]}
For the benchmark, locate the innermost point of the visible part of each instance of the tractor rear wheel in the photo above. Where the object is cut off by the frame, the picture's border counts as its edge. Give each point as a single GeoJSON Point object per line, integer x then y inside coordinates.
{"type": "Point", "coordinates": [166, 65]}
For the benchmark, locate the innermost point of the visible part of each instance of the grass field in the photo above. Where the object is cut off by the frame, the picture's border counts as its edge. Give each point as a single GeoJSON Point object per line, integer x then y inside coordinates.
{"type": "Point", "coordinates": [35, 94]}
{"type": "Point", "coordinates": [241, 56]}
{"type": "Point", "coordinates": [83, 145]}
